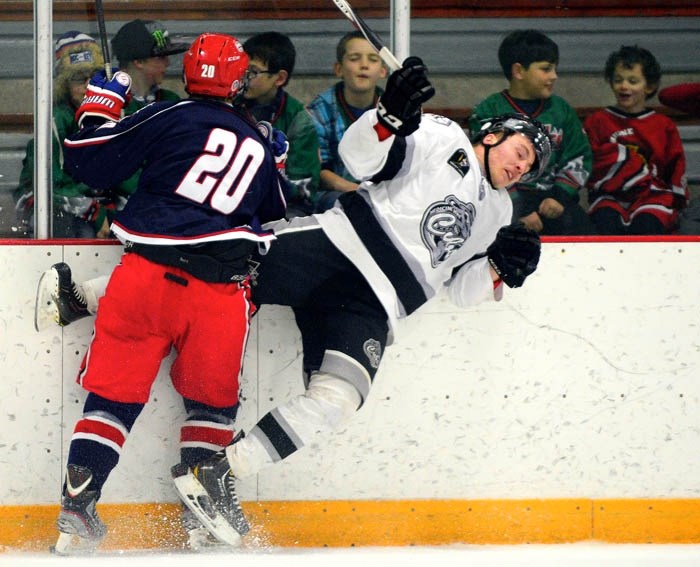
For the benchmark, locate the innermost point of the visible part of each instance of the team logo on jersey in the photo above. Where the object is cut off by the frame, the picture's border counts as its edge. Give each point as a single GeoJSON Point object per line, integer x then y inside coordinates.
{"type": "Point", "coordinates": [445, 227]}
{"type": "Point", "coordinates": [373, 352]}
{"type": "Point", "coordinates": [460, 162]}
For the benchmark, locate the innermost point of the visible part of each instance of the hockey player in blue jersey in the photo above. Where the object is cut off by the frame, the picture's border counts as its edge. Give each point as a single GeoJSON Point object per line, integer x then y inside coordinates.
{"type": "Point", "coordinates": [432, 212]}
{"type": "Point", "coordinates": [209, 182]}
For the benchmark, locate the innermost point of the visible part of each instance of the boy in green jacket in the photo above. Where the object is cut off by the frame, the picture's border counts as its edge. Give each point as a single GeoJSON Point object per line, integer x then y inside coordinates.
{"type": "Point", "coordinates": [272, 56]}
{"type": "Point", "coordinates": [78, 210]}
{"type": "Point", "coordinates": [550, 205]}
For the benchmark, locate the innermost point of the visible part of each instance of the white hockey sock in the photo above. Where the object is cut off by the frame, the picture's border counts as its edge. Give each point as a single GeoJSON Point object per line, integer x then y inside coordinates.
{"type": "Point", "coordinates": [92, 291]}
{"type": "Point", "coordinates": [328, 402]}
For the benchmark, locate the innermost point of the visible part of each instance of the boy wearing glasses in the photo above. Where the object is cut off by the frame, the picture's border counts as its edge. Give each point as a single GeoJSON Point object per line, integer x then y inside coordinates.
{"type": "Point", "coordinates": [272, 56]}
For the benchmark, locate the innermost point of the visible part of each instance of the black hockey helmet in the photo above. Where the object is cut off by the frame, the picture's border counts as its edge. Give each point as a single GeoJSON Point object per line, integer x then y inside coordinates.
{"type": "Point", "coordinates": [528, 126]}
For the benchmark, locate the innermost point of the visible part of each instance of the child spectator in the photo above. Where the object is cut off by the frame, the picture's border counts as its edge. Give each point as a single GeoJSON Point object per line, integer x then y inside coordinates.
{"type": "Point", "coordinates": [359, 68]}
{"type": "Point", "coordinates": [551, 204]}
{"type": "Point", "coordinates": [638, 184]}
{"type": "Point", "coordinates": [142, 48]}
{"type": "Point", "coordinates": [77, 211]}
{"type": "Point", "coordinates": [272, 57]}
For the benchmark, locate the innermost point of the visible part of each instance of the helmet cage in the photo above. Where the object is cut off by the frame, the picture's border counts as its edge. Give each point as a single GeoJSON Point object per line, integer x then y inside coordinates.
{"type": "Point", "coordinates": [215, 65]}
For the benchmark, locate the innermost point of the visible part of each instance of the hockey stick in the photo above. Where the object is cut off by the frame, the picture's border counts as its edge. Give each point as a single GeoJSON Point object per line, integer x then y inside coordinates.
{"type": "Point", "coordinates": [103, 37]}
{"type": "Point", "coordinates": [384, 52]}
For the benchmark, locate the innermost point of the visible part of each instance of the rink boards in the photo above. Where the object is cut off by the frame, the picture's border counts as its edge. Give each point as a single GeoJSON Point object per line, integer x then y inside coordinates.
{"type": "Point", "coordinates": [568, 411]}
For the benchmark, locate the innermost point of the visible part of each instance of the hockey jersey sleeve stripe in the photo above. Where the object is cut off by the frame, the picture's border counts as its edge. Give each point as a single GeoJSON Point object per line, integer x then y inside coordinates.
{"type": "Point", "coordinates": [394, 161]}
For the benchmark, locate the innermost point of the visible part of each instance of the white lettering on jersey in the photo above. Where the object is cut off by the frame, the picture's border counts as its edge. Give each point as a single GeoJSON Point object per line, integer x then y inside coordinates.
{"type": "Point", "coordinates": [224, 192]}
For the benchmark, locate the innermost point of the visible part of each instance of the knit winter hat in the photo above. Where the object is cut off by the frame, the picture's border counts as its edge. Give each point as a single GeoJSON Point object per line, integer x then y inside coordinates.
{"type": "Point", "coordinates": [76, 48]}
{"type": "Point", "coordinates": [77, 57]}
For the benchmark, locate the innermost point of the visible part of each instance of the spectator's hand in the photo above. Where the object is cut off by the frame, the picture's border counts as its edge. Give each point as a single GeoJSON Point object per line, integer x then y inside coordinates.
{"type": "Point", "coordinates": [300, 187]}
{"type": "Point", "coordinates": [551, 208]}
{"type": "Point", "coordinates": [514, 254]}
{"type": "Point", "coordinates": [533, 222]}
{"type": "Point", "coordinates": [105, 98]}
{"type": "Point", "coordinates": [104, 230]}
{"type": "Point", "coordinates": [399, 108]}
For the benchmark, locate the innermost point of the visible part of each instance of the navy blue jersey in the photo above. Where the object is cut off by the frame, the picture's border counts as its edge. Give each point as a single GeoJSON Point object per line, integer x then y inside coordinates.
{"type": "Point", "coordinates": [207, 173]}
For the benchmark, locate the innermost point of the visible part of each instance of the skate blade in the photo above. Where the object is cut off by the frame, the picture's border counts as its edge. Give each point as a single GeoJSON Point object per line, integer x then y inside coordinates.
{"type": "Point", "coordinates": [73, 544]}
{"type": "Point", "coordinates": [200, 539]}
{"type": "Point", "coordinates": [45, 309]}
{"type": "Point", "coordinates": [198, 500]}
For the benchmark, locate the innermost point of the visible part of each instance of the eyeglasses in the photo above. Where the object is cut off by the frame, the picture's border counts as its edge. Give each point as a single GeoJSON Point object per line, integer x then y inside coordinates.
{"type": "Point", "coordinates": [252, 73]}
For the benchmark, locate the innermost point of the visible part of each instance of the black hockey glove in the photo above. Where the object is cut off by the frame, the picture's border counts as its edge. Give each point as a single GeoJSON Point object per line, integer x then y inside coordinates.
{"type": "Point", "coordinates": [407, 89]}
{"type": "Point", "coordinates": [515, 253]}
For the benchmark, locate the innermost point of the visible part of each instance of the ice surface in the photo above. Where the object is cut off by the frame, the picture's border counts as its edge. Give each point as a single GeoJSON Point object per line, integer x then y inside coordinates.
{"type": "Point", "coordinates": [563, 555]}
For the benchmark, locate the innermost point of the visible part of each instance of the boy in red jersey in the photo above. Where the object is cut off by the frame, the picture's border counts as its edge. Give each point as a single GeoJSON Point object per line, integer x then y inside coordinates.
{"type": "Point", "coordinates": [638, 183]}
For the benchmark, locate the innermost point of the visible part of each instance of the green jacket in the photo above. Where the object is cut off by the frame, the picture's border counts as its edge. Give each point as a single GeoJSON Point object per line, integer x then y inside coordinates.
{"type": "Point", "coordinates": [303, 166]}
{"type": "Point", "coordinates": [69, 196]}
{"type": "Point", "coordinates": [303, 161]}
{"type": "Point", "coordinates": [571, 162]}
{"type": "Point", "coordinates": [158, 95]}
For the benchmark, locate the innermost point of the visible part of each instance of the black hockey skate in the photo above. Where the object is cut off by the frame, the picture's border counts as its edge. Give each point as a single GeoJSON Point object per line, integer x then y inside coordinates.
{"type": "Point", "coordinates": [208, 490]}
{"type": "Point", "coordinates": [59, 300]}
{"type": "Point", "coordinates": [81, 529]}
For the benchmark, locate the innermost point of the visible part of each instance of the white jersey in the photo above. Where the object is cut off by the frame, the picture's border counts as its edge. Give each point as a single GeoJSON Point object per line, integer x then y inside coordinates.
{"type": "Point", "coordinates": [427, 194]}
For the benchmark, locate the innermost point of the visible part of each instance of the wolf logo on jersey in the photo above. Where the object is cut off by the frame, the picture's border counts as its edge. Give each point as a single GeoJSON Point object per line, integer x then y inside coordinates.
{"type": "Point", "coordinates": [445, 227]}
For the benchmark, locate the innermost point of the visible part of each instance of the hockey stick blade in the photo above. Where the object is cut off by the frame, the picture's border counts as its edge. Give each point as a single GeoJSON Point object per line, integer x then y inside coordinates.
{"type": "Point", "coordinates": [197, 499]}
{"type": "Point", "coordinates": [387, 56]}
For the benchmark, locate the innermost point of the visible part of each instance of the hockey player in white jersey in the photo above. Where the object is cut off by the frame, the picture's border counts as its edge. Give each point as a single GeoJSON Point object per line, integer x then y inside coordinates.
{"type": "Point", "coordinates": [432, 211]}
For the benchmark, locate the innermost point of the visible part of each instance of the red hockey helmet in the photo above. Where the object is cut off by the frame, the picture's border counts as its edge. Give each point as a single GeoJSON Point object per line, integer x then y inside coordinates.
{"type": "Point", "coordinates": [215, 65]}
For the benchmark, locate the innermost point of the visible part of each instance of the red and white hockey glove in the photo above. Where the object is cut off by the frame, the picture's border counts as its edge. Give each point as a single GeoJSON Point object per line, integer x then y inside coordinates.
{"type": "Point", "coordinates": [105, 98]}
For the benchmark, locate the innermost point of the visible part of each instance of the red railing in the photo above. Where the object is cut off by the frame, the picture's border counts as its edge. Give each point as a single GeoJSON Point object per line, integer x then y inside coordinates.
{"type": "Point", "coordinates": [67, 10]}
